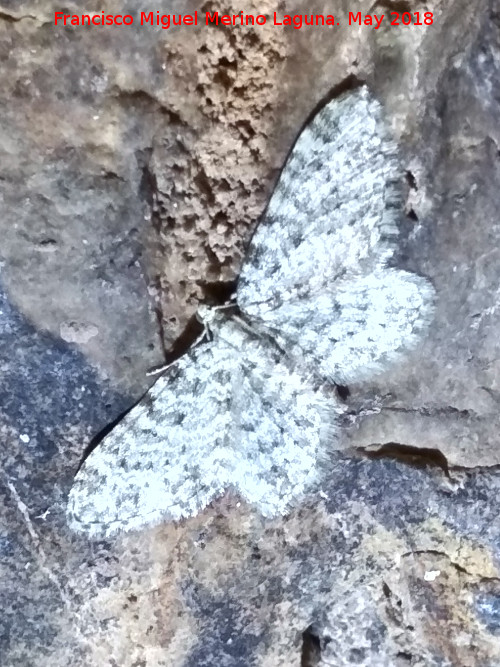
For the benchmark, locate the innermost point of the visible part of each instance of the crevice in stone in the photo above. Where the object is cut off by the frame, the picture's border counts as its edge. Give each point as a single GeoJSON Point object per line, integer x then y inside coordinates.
{"type": "Point", "coordinates": [140, 97]}
{"type": "Point", "coordinates": [430, 412]}
{"type": "Point", "coordinates": [147, 185]}
{"type": "Point", "coordinates": [12, 18]}
{"type": "Point", "coordinates": [418, 457]}
{"type": "Point", "coordinates": [159, 323]}
{"type": "Point", "coordinates": [394, 6]}
{"type": "Point", "coordinates": [356, 412]}
{"type": "Point", "coordinates": [311, 647]}
{"type": "Point", "coordinates": [479, 468]}
{"type": "Point", "coordinates": [148, 191]}
{"type": "Point", "coordinates": [218, 293]}
{"type": "Point", "coordinates": [184, 342]}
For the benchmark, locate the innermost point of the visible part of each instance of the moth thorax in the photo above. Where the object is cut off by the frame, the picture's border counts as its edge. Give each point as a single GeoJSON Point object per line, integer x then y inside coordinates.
{"type": "Point", "coordinates": [209, 316]}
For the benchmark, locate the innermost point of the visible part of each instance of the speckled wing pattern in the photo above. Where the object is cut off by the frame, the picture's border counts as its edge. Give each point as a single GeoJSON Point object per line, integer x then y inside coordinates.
{"type": "Point", "coordinates": [144, 469]}
{"type": "Point", "coordinates": [248, 408]}
{"type": "Point", "coordinates": [215, 419]}
{"type": "Point", "coordinates": [316, 274]}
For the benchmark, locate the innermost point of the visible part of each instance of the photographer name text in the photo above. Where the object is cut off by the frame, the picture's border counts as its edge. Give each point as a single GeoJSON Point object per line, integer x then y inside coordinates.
{"type": "Point", "coordinates": [297, 21]}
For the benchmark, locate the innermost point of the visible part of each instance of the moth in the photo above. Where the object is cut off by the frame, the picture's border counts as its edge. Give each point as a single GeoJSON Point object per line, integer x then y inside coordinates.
{"type": "Point", "coordinates": [319, 304]}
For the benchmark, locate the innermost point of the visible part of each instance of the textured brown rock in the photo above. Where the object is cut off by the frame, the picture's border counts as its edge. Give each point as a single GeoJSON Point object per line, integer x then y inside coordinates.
{"type": "Point", "coordinates": [207, 168]}
{"type": "Point", "coordinates": [135, 163]}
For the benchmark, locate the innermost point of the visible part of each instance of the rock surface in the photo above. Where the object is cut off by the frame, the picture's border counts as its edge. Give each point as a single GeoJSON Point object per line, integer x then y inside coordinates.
{"type": "Point", "coordinates": [135, 164]}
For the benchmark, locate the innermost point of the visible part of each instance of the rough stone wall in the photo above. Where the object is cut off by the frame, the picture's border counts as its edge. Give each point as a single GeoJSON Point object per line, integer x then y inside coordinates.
{"type": "Point", "coordinates": [134, 165]}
